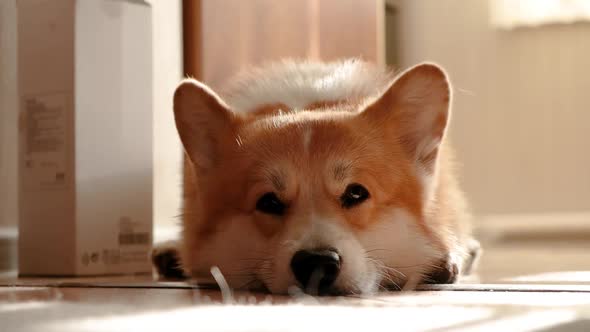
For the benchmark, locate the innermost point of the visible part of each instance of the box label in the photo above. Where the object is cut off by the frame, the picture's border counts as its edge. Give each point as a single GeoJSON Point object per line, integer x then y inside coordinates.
{"type": "Point", "coordinates": [133, 233]}
{"type": "Point", "coordinates": [45, 149]}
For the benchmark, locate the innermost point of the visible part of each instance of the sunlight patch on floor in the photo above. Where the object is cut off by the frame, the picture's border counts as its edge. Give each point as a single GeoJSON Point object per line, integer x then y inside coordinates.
{"type": "Point", "coordinates": [559, 277]}
{"type": "Point", "coordinates": [531, 321]}
{"type": "Point", "coordinates": [468, 298]}
{"type": "Point", "coordinates": [19, 306]}
{"type": "Point", "coordinates": [283, 318]}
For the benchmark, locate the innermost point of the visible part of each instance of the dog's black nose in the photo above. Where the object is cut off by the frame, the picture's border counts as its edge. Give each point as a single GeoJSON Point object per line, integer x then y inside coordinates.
{"type": "Point", "coordinates": [316, 270]}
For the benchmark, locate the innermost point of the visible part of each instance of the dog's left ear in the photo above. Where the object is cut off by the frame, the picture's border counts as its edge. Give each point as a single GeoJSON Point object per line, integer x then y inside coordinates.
{"type": "Point", "coordinates": [415, 108]}
{"type": "Point", "coordinates": [204, 122]}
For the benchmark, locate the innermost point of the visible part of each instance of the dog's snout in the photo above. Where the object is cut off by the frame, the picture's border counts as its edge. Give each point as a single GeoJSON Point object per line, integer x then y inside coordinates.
{"type": "Point", "coordinates": [316, 270]}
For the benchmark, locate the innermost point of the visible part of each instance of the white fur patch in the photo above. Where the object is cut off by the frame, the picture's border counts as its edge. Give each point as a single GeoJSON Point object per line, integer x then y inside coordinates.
{"type": "Point", "coordinates": [299, 84]}
{"type": "Point", "coordinates": [400, 250]}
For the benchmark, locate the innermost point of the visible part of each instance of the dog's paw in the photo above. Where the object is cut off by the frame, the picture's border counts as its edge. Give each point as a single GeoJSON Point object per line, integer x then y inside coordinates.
{"type": "Point", "coordinates": [166, 260]}
{"type": "Point", "coordinates": [474, 252]}
{"type": "Point", "coordinates": [447, 272]}
{"type": "Point", "coordinates": [453, 266]}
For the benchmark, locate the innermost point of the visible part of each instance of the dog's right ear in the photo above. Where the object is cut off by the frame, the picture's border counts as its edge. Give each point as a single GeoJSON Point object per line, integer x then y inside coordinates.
{"type": "Point", "coordinates": [204, 122]}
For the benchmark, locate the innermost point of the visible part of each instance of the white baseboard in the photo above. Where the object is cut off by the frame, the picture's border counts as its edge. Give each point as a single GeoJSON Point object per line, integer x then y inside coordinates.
{"type": "Point", "coordinates": [8, 250]}
{"type": "Point", "coordinates": [562, 225]}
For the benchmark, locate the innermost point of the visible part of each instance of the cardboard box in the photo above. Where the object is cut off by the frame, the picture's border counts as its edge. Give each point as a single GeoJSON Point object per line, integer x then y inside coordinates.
{"type": "Point", "coordinates": [85, 137]}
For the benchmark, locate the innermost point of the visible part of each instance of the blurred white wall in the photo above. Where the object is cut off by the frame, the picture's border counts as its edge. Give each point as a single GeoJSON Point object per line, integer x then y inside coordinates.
{"type": "Point", "coordinates": [521, 121]}
{"type": "Point", "coordinates": [167, 60]}
{"type": "Point", "coordinates": [168, 71]}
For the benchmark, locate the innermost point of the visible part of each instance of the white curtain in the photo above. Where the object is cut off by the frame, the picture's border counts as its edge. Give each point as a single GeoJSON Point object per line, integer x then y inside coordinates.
{"type": "Point", "coordinates": [515, 13]}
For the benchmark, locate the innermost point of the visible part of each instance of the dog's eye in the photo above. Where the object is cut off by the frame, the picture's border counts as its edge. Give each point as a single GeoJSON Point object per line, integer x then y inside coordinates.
{"type": "Point", "coordinates": [271, 204]}
{"type": "Point", "coordinates": [354, 195]}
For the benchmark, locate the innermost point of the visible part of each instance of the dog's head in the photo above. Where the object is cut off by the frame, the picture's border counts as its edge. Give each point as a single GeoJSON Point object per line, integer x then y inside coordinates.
{"type": "Point", "coordinates": [329, 200]}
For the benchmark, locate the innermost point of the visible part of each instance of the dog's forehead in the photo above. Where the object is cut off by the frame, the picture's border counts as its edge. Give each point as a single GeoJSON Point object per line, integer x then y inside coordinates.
{"type": "Point", "coordinates": [303, 132]}
{"type": "Point", "coordinates": [302, 145]}
{"type": "Point", "coordinates": [299, 151]}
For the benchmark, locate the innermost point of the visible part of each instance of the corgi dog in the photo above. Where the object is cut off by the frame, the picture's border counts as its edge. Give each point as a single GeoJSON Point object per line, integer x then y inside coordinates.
{"type": "Point", "coordinates": [327, 178]}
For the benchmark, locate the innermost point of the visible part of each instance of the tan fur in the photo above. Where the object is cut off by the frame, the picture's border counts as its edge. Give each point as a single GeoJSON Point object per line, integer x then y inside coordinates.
{"type": "Point", "coordinates": [366, 141]}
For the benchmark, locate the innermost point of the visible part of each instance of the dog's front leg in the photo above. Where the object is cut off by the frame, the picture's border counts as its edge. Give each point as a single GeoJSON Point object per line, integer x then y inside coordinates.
{"type": "Point", "coordinates": [166, 260]}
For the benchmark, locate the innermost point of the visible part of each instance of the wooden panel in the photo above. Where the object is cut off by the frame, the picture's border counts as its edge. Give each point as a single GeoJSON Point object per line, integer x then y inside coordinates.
{"type": "Point", "coordinates": [192, 32]}
{"type": "Point", "coordinates": [238, 34]}
{"type": "Point", "coordinates": [352, 28]}
{"type": "Point", "coordinates": [191, 37]}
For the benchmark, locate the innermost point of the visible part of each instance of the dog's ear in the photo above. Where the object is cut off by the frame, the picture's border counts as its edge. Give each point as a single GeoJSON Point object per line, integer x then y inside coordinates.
{"type": "Point", "coordinates": [204, 122]}
{"type": "Point", "coordinates": [415, 108]}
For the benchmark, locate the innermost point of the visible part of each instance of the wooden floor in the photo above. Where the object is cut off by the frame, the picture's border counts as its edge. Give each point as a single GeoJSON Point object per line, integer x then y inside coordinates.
{"type": "Point", "coordinates": [520, 288]}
